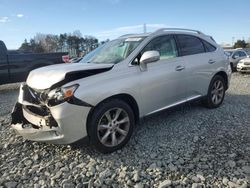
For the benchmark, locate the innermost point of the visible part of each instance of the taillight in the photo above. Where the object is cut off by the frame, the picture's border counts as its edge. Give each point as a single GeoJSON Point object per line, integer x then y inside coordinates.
{"type": "Point", "coordinates": [65, 58]}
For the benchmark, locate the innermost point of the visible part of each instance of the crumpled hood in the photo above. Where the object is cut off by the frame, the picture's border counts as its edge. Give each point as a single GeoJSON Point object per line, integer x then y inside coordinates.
{"type": "Point", "coordinates": [45, 77]}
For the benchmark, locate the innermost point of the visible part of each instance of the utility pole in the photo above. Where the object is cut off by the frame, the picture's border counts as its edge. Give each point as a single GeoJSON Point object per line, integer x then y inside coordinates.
{"type": "Point", "coordinates": [233, 41]}
{"type": "Point", "coordinates": [144, 28]}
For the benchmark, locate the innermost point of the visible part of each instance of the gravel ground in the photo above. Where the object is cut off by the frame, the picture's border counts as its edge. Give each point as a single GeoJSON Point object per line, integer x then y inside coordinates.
{"type": "Point", "coordinates": [189, 146]}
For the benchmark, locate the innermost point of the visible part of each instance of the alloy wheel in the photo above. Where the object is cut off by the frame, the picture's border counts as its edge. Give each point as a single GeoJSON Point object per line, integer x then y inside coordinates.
{"type": "Point", "coordinates": [113, 127]}
{"type": "Point", "coordinates": [217, 92]}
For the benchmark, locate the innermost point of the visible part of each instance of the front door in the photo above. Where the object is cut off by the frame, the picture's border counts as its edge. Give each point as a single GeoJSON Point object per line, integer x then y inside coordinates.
{"type": "Point", "coordinates": [162, 84]}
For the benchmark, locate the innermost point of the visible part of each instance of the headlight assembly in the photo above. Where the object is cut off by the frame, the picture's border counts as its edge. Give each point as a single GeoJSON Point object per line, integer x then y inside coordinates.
{"type": "Point", "coordinates": [62, 94]}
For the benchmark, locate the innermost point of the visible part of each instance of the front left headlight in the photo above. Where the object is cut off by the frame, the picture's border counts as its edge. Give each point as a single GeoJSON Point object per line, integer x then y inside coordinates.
{"type": "Point", "coordinates": [62, 94]}
{"type": "Point", "coordinates": [240, 63]}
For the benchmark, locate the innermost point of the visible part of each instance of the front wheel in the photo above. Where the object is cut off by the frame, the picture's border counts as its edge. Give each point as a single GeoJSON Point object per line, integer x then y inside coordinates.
{"type": "Point", "coordinates": [111, 125]}
{"type": "Point", "coordinates": [216, 92]}
{"type": "Point", "coordinates": [233, 68]}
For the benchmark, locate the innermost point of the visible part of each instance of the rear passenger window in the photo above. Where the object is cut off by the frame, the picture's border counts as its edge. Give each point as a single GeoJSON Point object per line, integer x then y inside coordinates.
{"type": "Point", "coordinates": [209, 47]}
{"type": "Point", "coordinates": [165, 45]}
{"type": "Point", "coordinates": [190, 45]}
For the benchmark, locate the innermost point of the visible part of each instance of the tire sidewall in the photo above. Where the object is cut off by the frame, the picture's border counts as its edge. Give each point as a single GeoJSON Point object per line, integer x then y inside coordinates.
{"type": "Point", "coordinates": [95, 118]}
{"type": "Point", "coordinates": [209, 95]}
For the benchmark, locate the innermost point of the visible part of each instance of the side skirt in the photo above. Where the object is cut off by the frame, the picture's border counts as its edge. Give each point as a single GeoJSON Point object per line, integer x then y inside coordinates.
{"type": "Point", "coordinates": [175, 104]}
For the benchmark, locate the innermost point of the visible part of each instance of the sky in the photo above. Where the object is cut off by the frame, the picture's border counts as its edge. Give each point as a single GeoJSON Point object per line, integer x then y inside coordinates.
{"type": "Point", "coordinates": [222, 19]}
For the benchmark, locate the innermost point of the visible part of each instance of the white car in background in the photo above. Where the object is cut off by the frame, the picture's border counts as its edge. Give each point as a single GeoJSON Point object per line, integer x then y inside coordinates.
{"type": "Point", "coordinates": [244, 65]}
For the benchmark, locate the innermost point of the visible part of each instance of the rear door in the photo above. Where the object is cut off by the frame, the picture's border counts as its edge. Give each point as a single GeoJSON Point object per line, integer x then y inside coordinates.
{"type": "Point", "coordinates": [200, 64]}
{"type": "Point", "coordinates": [163, 83]}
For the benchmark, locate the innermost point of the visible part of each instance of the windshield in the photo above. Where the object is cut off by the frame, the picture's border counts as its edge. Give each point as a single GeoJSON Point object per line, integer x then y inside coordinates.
{"type": "Point", "coordinates": [115, 51]}
{"type": "Point", "coordinates": [90, 55]}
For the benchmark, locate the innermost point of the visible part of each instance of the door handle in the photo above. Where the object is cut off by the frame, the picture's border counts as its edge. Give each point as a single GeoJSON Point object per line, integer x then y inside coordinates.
{"type": "Point", "coordinates": [179, 68]}
{"type": "Point", "coordinates": [211, 61]}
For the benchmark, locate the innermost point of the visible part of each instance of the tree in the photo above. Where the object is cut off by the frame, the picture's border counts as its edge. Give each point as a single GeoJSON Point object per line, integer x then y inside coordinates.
{"type": "Point", "coordinates": [73, 43]}
{"type": "Point", "coordinates": [240, 44]}
{"type": "Point", "coordinates": [32, 46]}
{"type": "Point", "coordinates": [25, 46]}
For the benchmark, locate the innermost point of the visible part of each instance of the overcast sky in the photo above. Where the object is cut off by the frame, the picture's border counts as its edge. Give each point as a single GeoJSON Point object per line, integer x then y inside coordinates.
{"type": "Point", "coordinates": [20, 19]}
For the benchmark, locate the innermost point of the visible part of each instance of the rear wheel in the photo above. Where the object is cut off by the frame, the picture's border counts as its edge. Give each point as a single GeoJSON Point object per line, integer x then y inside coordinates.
{"type": "Point", "coordinates": [216, 92]}
{"type": "Point", "coordinates": [111, 125]}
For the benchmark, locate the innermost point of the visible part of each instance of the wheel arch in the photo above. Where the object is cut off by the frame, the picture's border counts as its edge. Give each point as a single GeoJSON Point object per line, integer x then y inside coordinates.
{"type": "Point", "coordinates": [224, 76]}
{"type": "Point", "coordinates": [124, 97]}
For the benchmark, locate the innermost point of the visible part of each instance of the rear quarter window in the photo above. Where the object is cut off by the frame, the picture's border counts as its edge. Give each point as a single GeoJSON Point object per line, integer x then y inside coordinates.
{"type": "Point", "coordinates": [209, 47]}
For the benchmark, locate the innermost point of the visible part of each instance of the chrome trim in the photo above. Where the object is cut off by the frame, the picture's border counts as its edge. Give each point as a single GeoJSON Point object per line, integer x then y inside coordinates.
{"type": "Point", "coordinates": [175, 104]}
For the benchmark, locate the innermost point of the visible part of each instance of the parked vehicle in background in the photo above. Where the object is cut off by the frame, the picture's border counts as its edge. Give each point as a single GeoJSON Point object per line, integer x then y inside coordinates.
{"type": "Point", "coordinates": [234, 56]}
{"type": "Point", "coordinates": [244, 65]}
{"type": "Point", "coordinates": [127, 79]}
{"type": "Point", "coordinates": [65, 58]}
{"type": "Point", "coordinates": [15, 65]}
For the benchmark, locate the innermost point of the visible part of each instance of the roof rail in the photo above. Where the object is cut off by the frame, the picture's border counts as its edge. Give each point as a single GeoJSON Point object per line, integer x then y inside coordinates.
{"type": "Point", "coordinates": [178, 29]}
{"type": "Point", "coordinates": [126, 35]}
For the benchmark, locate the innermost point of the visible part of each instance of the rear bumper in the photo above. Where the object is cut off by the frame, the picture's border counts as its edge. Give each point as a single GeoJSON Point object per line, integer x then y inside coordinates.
{"type": "Point", "coordinates": [64, 123]}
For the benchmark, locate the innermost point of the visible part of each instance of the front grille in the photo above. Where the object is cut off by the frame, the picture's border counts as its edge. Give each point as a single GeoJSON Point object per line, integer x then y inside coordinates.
{"type": "Point", "coordinates": [29, 96]}
{"type": "Point", "coordinates": [247, 63]}
{"type": "Point", "coordinates": [245, 68]}
{"type": "Point", "coordinates": [42, 111]}
{"type": "Point", "coordinates": [33, 96]}
{"type": "Point", "coordinates": [41, 95]}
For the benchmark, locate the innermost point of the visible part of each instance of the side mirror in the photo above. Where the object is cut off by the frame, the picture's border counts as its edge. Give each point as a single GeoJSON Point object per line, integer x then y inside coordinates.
{"type": "Point", "coordinates": [149, 57]}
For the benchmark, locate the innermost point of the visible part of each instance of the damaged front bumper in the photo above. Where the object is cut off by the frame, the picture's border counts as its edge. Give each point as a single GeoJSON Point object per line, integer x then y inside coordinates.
{"type": "Point", "coordinates": [61, 124]}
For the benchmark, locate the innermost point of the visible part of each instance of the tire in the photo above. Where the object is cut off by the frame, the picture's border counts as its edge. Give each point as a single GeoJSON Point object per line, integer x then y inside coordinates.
{"type": "Point", "coordinates": [104, 128]}
{"type": "Point", "coordinates": [232, 67]}
{"type": "Point", "coordinates": [219, 83]}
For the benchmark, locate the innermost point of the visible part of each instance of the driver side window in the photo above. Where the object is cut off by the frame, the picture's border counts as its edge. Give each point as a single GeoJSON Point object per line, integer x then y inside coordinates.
{"type": "Point", "coordinates": [165, 45]}
{"type": "Point", "coordinates": [236, 54]}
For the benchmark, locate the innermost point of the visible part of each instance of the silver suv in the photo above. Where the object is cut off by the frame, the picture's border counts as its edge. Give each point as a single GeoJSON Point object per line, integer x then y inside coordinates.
{"type": "Point", "coordinates": [235, 56]}
{"type": "Point", "coordinates": [104, 96]}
